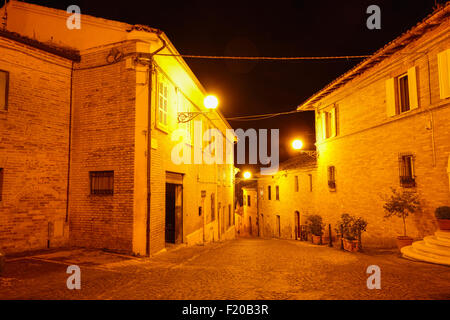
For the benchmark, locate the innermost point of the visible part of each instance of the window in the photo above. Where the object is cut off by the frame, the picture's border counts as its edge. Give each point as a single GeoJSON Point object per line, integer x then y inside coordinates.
{"type": "Point", "coordinates": [444, 73]}
{"type": "Point", "coordinates": [4, 85]}
{"type": "Point", "coordinates": [1, 183]}
{"type": "Point", "coordinates": [269, 193]}
{"type": "Point", "coordinates": [183, 105]}
{"type": "Point", "coordinates": [406, 166]}
{"type": "Point", "coordinates": [244, 200]}
{"type": "Point", "coordinates": [310, 182]}
{"type": "Point", "coordinates": [229, 208]}
{"type": "Point", "coordinates": [249, 201]}
{"type": "Point", "coordinates": [401, 93]}
{"type": "Point", "coordinates": [102, 182]}
{"type": "Point", "coordinates": [296, 183]}
{"type": "Point", "coordinates": [331, 177]}
{"type": "Point", "coordinates": [163, 102]}
{"type": "Point", "coordinates": [277, 193]}
{"type": "Point", "coordinates": [213, 207]}
{"type": "Point", "coordinates": [229, 215]}
{"type": "Point", "coordinates": [329, 123]}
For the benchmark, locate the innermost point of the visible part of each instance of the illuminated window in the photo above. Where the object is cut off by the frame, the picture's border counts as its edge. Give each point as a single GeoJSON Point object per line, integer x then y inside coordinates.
{"type": "Point", "coordinates": [406, 167]}
{"type": "Point", "coordinates": [163, 102]}
{"type": "Point", "coordinates": [4, 84]}
{"type": "Point", "coordinates": [102, 182]}
{"type": "Point", "coordinates": [310, 182]}
{"type": "Point", "coordinates": [269, 193]}
{"type": "Point", "coordinates": [296, 183]}
{"type": "Point", "coordinates": [277, 193]}
{"type": "Point", "coordinates": [329, 123]}
{"type": "Point", "coordinates": [331, 177]}
{"type": "Point", "coordinates": [403, 93]}
{"type": "Point", "coordinates": [1, 183]}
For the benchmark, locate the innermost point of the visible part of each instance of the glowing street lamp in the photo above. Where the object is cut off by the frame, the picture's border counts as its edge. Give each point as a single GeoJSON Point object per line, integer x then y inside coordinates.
{"type": "Point", "coordinates": [247, 175]}
{"type": "Point", "coordinates": [297, 144]}
{"type": "Point", "coordinates": [210, 102]}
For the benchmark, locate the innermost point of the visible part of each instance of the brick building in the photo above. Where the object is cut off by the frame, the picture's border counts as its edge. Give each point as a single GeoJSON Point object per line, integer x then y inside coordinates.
{"type": "Point", "coordinates": [109, 100]}
{"type": "Point", "coordinates": [385, 123]}
{"type": "Point", "coordinates": [286, 198]}
{"type": "Point", "coordinates": [247, 223]}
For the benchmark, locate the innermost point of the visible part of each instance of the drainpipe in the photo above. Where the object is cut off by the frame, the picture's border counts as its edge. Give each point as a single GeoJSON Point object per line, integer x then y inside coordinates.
{"type": "Point", "coordinates": [149, 138]}
{"type": "Point", "coordinates": [433, 143]}
{"type": "Point", "coordinates": [70, 143]}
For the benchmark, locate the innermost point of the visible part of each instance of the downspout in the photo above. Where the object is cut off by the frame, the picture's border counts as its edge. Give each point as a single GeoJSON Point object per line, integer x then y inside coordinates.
{"type": "Point", "coordinates": [149, 139]}
{"type": "Point", "coordinates": [70, 143]}
{"type": "Point", "coordinates": [433, 143]}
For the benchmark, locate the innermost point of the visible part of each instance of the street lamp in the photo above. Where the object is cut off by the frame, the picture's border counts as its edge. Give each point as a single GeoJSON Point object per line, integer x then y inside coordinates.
{"type": "Point", "coordinates": [247, 175]}
{"type": "Point", "coordinates": [210, 102]}
{"type": "Point", "coordinates": [297, 144]}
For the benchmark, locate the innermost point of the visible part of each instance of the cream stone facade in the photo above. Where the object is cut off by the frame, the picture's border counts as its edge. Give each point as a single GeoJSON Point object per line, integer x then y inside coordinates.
{"type": "Point", "coordinates": [119, 105]}
{"type": "Point", "coordinates": [386, 124]}
{"type": "Point", "coordinates": [286, 198]}
{"type": "Point", "coordinates": [247, 224]}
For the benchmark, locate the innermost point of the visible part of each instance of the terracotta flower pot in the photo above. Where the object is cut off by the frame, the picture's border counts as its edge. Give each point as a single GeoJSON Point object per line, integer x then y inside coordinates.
{"type": "Point", "coordinates": [444, 224]}
{"type": "Point", "coordinates": [315, 239]}
{"type": "Point", "coordinates": [403, 241]}
{"type": "Point", "coordinates": [351, 245]}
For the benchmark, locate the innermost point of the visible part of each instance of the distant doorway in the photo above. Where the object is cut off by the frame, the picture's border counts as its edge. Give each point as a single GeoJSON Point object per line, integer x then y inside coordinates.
{"type": "Point", "coordinates": [278, 231]}
{"type": "Point", "coordinates": [174, 213]}
{"type": "Point", "coordinates": [297, 225]}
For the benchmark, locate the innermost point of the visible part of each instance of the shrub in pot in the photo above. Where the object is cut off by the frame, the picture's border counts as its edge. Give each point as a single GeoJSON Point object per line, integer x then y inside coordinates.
{"type": "Point", "coordinates": [315, 227]}
{"type": "Point", "coordinates": [350, 229]}
{"type": "Point", "coordinates": [443, 217]}
{"type": "Point", "coordinates": [402, 204]}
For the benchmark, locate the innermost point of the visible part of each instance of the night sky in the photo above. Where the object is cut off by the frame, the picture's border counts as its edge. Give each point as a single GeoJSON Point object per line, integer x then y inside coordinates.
{"type": "Point", "coordinates": [265, 28]}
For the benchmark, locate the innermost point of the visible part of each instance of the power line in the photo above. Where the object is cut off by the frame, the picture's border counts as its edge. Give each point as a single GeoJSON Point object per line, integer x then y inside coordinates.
{"type": "Point", "coordinates": [263, 58]}
{"type": "Point", "coordinates": [262, 116]}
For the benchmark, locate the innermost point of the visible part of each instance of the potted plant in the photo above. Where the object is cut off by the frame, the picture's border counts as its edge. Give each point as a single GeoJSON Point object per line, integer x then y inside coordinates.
{"type": "Point", "coordinates": [402, 204]}
{"type": "Point", "coordinates": [315, 227]}
{"type": "Point", "coordinates": [443, 217]}
{"type": "Point", "coordinates": [350, 229]}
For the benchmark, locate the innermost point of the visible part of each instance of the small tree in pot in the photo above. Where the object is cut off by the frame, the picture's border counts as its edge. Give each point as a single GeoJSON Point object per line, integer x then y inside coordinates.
{"type": "Point", "coordinates": [315, 227]}
{"type": "Point", "coordinates": [443, 217]}
{"type": "Point", "coordinates": [402, 204]}
{"type": "Point", "coordinates": [350, 229]}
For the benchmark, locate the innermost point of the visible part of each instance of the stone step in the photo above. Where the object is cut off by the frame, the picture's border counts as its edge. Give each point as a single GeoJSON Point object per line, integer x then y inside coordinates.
{"type": "Point", "coordinates": [435, 241]}
{"type": "Point", "coordinates": [422, 246]}
{"type": "Point", "coordinates": [411, 253]}
{"type": "Point", "coordinates": [444, 235]}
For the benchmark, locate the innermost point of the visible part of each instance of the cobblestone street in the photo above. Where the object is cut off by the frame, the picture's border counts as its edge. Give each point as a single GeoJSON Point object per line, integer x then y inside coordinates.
{"type": "Point", "coordinates": [239, 269]}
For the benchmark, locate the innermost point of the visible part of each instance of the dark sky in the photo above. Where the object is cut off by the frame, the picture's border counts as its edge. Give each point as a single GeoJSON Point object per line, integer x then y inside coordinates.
{"type": "Point", "coordinates": [265, 28]}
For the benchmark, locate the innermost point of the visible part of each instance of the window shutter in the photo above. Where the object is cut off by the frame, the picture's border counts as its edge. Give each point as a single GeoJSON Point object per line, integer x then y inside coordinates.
{"type": "Point", "coordinates": [444, 73]}
{"type": "Point", "coordinates": [333, 122]}
{"type": "Point", "coordinates": [412, 85]}
{"type": "Point", "coordinates": [323, 117]}
{"type": "Point", "coordinates": [390, 97]}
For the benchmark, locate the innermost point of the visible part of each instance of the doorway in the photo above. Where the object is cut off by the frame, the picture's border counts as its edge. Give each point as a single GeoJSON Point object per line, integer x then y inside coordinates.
{"type": "Point", "coordinates": [174, 213]}
{"type": "Point", "coordinates": [297, 225]}
{"type": "Point", "coordinates": [278, 227]}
